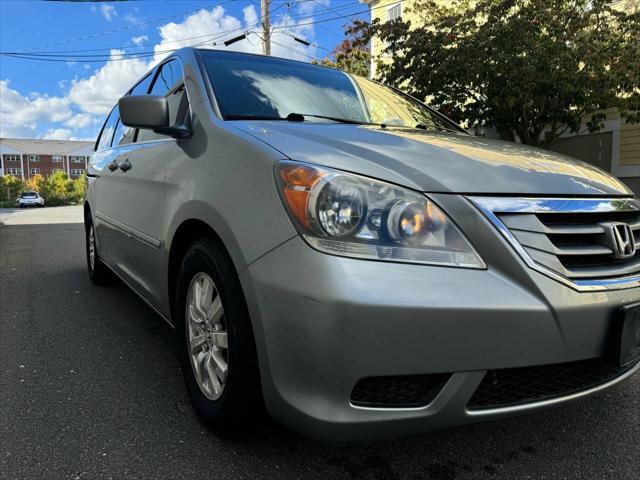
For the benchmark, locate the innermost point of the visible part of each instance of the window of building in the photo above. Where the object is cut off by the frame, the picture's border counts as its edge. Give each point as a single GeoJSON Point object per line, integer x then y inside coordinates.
{"type": "Point", "coordinates": [394, 12]}
{"type": "Point", "coordinates": [169, 82]}
{"type": "Point", "coordinates": [104, 141]}
{"type": "Point", "coordinates": [35, 171]}
{"type": "Point", "coordinates": [56, 158]}
{"type": "Point", "coordinates": [34, 158]}
{"type": "Point", "coordinates": [14, 171]}
{"type": "Point", "coordinates": [76, 172]}
{"type": "Point", "coordinates": [57, 170]}
{"type": "Point", "coordinates": [76, 159]}
{"type": "Point", "coordinates": [12, 158]}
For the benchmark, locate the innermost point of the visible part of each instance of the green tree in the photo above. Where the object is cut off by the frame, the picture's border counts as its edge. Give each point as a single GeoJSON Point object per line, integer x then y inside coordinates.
{"type": "Point", "coordinates": [32, 184]}
{"type": "Point", "coordinates": [76, 189]}
{"type": "Point", "coordinates": [351, 55]}
{"type": "Point", "coordinates": [54, 188]}
{"type": "Point", "coordinates": [520, 66]}
{"type": "Point", "coordinates": [10, 187]}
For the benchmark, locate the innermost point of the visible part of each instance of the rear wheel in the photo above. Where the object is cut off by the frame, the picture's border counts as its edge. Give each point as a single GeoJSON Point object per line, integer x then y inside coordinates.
{"type": "Point", "coordinates": [215, 339]}
{"type": "Point", "coordinates": [98, 272]}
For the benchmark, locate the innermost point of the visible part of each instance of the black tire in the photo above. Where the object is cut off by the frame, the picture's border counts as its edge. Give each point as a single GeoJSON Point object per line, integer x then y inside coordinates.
{"type": "Point", "coordinates": [240, 401]}
{"type": "Point", "coordinates": [98, 272]}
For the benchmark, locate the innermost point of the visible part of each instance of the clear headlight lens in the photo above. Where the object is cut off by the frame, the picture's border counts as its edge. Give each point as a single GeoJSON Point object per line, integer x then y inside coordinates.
{"type": "Point", "coordinates": [354, 216]}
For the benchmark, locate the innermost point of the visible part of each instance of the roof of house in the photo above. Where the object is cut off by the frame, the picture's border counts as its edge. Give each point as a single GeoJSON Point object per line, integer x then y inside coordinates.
{"type": "Point", "coordinates": [45, 147]}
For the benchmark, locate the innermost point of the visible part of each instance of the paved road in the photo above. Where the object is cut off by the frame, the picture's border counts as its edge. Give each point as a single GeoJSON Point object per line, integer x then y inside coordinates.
{"type": "Point", "coordinates": [90, 388]}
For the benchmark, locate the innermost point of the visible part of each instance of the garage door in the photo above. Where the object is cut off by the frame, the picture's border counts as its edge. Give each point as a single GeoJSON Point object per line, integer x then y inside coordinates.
{"type": "Point", "coordinates": [594, 148]}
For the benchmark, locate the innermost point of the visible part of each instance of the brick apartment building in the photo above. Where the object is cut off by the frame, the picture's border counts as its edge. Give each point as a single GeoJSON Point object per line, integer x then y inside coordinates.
{"type": "Point", "coordinates": [24, 158]}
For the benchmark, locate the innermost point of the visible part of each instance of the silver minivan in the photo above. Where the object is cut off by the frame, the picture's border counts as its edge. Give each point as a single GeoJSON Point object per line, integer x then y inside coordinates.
{"type": "Point", "coordinates": [336, 251]}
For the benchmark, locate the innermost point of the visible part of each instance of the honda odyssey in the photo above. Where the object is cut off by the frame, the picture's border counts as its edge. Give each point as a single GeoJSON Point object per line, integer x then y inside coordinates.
{"type": "Point", "coordinates": [339, 252]}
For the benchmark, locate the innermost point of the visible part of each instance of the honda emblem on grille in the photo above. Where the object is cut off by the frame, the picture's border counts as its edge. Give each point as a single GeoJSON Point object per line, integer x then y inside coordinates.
{"type": "Point", "coordinates": [622, 240]}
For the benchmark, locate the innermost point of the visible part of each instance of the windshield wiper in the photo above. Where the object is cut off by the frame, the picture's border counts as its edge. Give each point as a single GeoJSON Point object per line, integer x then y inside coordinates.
{"type": "Point", "coordinates": [252, 117]}
{"type": "Point", "coordinates": [422, 126]}
{"type": "Point", "coordinates": [296, 117]}
{"type": "Point", "coordinates": [299, 117]}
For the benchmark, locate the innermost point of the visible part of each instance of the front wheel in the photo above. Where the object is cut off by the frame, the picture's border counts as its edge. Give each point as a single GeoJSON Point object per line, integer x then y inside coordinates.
{"type": "Point", "coordinates": [98, 272]}
{"type": "Point", "coordinates": [215, 339]}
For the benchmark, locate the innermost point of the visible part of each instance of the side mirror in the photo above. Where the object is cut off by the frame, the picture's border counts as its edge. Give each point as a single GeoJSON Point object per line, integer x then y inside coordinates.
{"type": "Point", "coordinates": [150, 112]}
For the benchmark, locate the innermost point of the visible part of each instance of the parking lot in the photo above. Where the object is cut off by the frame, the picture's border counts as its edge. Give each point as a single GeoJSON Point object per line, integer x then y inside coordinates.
{"type": "Point", "coordinates": [90, 388]}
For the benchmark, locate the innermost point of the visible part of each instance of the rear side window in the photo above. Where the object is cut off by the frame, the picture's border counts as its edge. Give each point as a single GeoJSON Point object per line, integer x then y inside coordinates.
{"type": "Point", "coordinates": [104, 141]}
{"type": "Point", "coordinates": [169, 83]}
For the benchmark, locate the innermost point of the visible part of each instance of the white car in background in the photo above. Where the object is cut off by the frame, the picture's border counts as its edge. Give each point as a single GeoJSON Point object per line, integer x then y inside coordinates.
{"type": "Point", "coordinates": [30, 199]}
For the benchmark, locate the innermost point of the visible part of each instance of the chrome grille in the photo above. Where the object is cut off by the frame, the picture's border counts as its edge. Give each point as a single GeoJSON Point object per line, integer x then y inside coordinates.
{"type": "Point", "coordinates": [576, 240]}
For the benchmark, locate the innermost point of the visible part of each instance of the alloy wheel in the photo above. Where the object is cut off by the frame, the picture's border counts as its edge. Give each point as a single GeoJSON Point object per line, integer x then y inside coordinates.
{"type": "Point", "coordinates": [207, 336]}
{"type": "Point", "coordinates": [92, 248]}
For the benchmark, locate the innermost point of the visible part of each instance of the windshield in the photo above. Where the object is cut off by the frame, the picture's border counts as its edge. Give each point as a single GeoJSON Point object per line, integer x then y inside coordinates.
{"type": "Point", "coordinates": [251, 86]}
{"type": "Point", "coordinates": [28, 195]}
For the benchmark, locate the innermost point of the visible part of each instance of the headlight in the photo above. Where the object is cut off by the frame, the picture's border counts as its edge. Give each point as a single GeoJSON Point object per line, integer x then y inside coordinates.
{"type": "Point", "coordinates": [354, 216]}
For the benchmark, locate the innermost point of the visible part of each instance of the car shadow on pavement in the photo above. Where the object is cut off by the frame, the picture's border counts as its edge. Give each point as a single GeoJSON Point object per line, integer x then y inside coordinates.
{"type": "Point", "coordinates": [557, 439]}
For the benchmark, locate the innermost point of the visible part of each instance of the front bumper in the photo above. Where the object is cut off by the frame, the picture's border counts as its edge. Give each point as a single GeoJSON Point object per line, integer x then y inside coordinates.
{"type": "Point", "coordinates": [322, 323]}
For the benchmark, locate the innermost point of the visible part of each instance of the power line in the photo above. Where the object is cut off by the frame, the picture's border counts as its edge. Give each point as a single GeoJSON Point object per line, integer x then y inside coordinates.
{"type": "Point", "coordinates": [127, 47]}
{"type": "Point", "coordinates": [133, 55]}
{"type": "Point", "coordinates": [127, 27]}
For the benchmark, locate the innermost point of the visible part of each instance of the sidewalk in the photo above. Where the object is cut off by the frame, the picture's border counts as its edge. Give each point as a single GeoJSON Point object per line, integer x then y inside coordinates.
{"type": "Point", "coordinates": [39, 216]}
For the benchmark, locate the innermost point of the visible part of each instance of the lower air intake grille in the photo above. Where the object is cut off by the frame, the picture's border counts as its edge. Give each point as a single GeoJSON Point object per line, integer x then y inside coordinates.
{"type": "Point", "coordinates": [517, 386]}
{"type": "Point", "coordinates": [407, 391]}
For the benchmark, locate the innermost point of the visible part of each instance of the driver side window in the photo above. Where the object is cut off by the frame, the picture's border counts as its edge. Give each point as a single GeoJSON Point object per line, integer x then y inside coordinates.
{"type": "Point", "coordinates": [126, 134]}
{"type": "Point", "coordinates": [104, 141]}
{"type": "Point", "coordinates": [169, 83]}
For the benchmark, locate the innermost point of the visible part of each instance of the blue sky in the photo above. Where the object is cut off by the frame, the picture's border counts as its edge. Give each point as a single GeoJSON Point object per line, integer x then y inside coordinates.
{"type": "Point", "coordinates": [69, 99]}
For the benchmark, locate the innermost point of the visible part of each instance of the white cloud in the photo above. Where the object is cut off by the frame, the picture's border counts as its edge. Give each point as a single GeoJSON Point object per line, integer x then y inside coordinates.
{"type": "Point", "coordinates": [140, 39]}
{"type": "Point", "coordinates": [203, 24]}
{"type": "Point", "coordinates": [87, 100]}
{"type": "Point", "coordinates": [98, 93]}
{"type": "Point", "coordinates": [21, 115]}
{"type": "Point", "coordinates": [132, 19]}
{"type": "Point", "coordinates": [82, 121]}
{"type": "Point", "coordinates": [307, 8]}
{"type": "Point", "coordinates": [58, 134]}
{"type": "Point", "coordinates": [216, 26]}
{"type": "Point", "coordinates": [108, 11]}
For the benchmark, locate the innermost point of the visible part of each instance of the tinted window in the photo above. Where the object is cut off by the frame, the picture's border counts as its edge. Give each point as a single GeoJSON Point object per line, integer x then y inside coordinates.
{"type": "Point", "coordinates": [126, 134]}
{"type": "Point", "coordinates": [142, 88]}
{"type": "Point", "coordinates": [123, 134]}
{"type": "Point", "coordinates": [107, 130]}
{"type": "Point", "coordinates": [28, 195]}
{"type": "Point", "coordinates": [249, 85]}
{"type": "Point", "coordinates": [169, 83]}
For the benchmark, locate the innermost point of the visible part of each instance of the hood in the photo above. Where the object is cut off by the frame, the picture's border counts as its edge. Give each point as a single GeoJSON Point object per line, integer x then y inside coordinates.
{"type": "Point", "coordinates": [435, 162]}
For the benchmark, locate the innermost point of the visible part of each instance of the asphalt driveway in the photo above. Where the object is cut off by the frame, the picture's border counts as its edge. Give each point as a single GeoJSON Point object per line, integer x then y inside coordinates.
{"type": "Point", "coordinates": [90, 388]}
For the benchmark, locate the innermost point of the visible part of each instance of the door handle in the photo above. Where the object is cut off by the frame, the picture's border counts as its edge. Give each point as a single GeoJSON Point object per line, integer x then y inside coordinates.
{"type": "Point", "coordinates": [126, 165]}
{"type": "Point", "coordinates": [112, 166]}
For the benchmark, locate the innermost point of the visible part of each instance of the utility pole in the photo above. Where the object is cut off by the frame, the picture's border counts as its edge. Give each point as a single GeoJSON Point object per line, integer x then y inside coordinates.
{"type": "Point", "coordinates": [266, 27]}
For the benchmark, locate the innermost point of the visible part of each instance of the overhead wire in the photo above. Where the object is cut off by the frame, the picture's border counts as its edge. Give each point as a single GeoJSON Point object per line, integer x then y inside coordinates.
{"type": "Point", "coordinates": [64, 57]}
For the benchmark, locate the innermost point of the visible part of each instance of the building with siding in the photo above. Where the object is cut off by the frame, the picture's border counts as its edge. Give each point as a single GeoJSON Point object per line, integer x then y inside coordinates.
{"type": "Point", "coordinates": [615, 148]}
{"type": "Point", "coordinates": [24, 158]}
